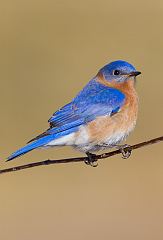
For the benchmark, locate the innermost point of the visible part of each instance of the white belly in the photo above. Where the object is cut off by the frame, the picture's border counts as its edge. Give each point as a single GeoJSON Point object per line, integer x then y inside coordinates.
{"type": "Point", "coordinates": [77, 138]}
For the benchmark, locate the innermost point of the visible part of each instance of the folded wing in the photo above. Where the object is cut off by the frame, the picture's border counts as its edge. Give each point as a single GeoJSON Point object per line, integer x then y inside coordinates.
{"type": "Point", "coordinates": [87, 106]}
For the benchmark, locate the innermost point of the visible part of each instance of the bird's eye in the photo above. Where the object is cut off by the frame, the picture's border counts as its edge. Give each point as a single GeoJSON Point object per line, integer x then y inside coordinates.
{"type": "Point", "coordinates": [116, 72]}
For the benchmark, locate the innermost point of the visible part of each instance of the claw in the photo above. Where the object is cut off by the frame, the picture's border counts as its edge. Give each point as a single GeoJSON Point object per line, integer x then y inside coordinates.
{"type": "Point", "coordinates": [91, 160]}
{"type": "Point", "coordinates": [125, 150]}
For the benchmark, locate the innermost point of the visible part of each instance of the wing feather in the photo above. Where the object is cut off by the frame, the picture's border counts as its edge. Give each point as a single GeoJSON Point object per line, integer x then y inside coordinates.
{"type": "Point", "coordinates": [93, 101]}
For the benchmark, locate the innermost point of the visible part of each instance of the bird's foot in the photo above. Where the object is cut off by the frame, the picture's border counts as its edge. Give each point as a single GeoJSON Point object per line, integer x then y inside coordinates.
{"type": "Point", "coordinates": [125, 150]}
{"type": "Point", "coordinates": [92, 161]}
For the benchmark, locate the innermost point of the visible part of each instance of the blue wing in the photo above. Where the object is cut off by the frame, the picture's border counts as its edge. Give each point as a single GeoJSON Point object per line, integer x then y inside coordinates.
{"type": "Point", "coordinates": [93, 101]}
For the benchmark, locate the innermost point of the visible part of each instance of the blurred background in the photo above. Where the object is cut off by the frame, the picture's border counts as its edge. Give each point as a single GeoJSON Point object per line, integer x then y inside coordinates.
{"type": "Point", "coordinates": [48, 52]}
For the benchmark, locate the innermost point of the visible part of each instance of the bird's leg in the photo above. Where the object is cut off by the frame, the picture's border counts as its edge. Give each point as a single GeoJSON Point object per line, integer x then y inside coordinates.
{"type": "Point", "coordinates": [125, 150]}
{"type": "Point", "coordinates": [91, 159]}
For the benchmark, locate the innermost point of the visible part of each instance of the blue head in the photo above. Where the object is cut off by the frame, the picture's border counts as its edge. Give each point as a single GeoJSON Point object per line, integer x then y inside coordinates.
{"type": "Point", "coordinates": [119, 71]}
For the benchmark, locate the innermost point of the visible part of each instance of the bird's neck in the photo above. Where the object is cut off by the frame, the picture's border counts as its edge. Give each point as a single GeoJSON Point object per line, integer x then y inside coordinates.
{"type": "Point", "coordinates": [127, 87]}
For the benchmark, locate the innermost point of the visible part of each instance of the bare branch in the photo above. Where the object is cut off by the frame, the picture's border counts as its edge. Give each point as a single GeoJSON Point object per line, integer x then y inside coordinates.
{"type": "Point", "coordinates": [82, 159]}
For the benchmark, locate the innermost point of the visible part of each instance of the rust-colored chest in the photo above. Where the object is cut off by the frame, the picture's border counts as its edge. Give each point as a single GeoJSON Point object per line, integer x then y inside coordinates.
{"type": "Point", "coordinates": [118, 126]}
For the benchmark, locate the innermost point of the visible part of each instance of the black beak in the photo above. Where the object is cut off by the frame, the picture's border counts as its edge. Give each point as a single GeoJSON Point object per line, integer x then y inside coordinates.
{"type": "Point", "coordinates": [134, 73]}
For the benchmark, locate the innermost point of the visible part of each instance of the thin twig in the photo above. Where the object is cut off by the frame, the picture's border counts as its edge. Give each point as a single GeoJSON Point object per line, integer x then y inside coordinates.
{"type": "Point", "coordinates": [81, 159]}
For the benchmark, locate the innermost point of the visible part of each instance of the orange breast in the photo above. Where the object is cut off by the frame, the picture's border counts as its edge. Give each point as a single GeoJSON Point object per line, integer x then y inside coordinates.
{"type": "Point", "coordinates": [120, 124]}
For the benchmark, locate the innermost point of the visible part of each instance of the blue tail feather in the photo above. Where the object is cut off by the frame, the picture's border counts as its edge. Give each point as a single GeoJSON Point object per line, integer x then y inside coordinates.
{"type": "Point", "coordinates": [39, 143]}
{"type": "Point", "coordinates": [29, 147]}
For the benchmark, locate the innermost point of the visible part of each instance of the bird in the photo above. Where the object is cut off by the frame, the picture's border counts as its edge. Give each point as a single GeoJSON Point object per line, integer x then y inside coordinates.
{"type": "Point", "coordinates": [101, 116]}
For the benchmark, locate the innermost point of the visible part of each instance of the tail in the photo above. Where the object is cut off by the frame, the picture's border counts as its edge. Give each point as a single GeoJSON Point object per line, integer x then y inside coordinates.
{"type": "Point", "coordinates": [42, 140]}
{"type": "Point", "coordinates": [29, 147]}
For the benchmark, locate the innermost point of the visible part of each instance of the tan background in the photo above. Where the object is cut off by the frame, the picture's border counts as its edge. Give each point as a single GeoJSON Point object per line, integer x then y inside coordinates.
{"type": "Point", "coordinates": [48, 52]}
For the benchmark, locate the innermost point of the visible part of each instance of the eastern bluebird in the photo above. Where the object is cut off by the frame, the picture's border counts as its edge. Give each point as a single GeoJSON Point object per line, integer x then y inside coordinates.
{"type": "Point", "coordinates": [101, 116]}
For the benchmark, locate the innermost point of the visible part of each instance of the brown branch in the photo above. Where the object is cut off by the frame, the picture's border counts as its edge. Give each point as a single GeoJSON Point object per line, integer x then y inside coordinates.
{"type": "Point", "coordinates": [81, 159]}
